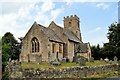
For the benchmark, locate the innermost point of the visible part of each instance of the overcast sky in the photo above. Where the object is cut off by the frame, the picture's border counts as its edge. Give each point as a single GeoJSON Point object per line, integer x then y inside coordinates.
{"type": "Point", "coordinates": [17, 16]}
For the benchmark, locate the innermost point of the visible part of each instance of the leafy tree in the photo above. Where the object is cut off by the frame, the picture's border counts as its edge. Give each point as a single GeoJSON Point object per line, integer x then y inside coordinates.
{"type": "Point", "coordinates": [10, 48]}
{"type": "Point", "coordinates": [112, 48]}
{"type": "Point", "coordinates": [96, 52]}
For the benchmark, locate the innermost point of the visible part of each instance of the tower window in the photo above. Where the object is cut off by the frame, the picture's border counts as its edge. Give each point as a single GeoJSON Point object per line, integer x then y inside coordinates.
{"type": "Point", "coordinates": [69, 23]}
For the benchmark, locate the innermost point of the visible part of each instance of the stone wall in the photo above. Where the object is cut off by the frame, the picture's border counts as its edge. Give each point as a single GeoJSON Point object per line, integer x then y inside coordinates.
{"type": "Point", "coordinates": [70, 50]}
{"type": "Point", "coordinates": [73, 72]}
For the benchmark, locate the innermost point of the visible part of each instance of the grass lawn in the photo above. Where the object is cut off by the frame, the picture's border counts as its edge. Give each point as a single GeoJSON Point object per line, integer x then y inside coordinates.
{"type": "Point", "coordinates": [47, 65]}
{"type": "Point", "coordinates": [107, 74]}
{"type": "Point", "coordinates": [73, 64]}
{"type": "Point", "coordinates": [63, 65]}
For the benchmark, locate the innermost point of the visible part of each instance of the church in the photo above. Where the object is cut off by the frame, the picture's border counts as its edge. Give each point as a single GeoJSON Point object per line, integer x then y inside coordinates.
{"type": "Point", "coordinates": [48, 43]}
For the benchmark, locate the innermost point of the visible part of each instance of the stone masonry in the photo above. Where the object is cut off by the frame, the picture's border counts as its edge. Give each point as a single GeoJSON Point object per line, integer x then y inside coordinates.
{"type": "Point", "coordinates": [45, 43]}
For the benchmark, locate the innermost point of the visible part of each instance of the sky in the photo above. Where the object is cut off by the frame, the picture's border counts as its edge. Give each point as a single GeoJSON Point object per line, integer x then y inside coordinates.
{"type": "Point", "coordinates": [17, 16]}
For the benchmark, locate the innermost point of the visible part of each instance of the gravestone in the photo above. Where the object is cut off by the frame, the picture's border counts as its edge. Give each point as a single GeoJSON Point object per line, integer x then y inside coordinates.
{"type": "Point", "coordinates": [56, 62]}
{"type": "Point", "coordinates": [115, 59]}
{"type": "Point", "coordinates": [77, 58]}
{"type": "Point", "coordinates": [101, 59]}
{"type": "Point", "coordinates": [110, 62]}
{"type": "Point", "coordinates": [64, 59]}
{"type": "Point", "coordinates": [82, 61]}
{"type": "Point", "coordinates": [106, 60]}
{"type": "Point", "coordinates": [92, 59]}
{"type": "Point", "coordinates": [38, 59]}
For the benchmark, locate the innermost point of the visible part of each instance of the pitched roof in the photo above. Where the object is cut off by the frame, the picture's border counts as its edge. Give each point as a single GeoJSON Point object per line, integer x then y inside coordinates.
{"type": "Point", "coordinates": [50, 34]}
{"type": "Point", "coordinates": [83, 47]}
{"type": "Point", "coordinates": [71, 36]}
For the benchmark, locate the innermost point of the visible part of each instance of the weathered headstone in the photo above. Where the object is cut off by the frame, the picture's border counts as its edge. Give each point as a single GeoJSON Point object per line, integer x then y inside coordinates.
{"type": "Point", "coordinates": [77, 58]}
{"type": "Point", "coordinates": [56, 62]}
{"type": "Point", "coordinates": [110, 62]}
{"type": "Point", "coordinates": [106, 60]}
{"type": "Point", "coordinates": [92, 59]}
{"type": "Point", "coordinates": [82, 61]}
{"type": "Point", "coordinates": [38, 59]}
{"type": "Point", "coordinates": [115, 59]}
{"type": "Point", "coordinates": [101, 59]}
{"type": "Point", "coordinates": [64, 59]}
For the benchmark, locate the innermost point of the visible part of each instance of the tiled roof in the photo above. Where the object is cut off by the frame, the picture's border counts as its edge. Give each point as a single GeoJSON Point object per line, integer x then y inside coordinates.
{"type": "Point", "coordinates": [83, 47]}
{"type": "Point", "coordinates": [71, 36]}
{"type": "Point", "coordinates": [50, 34]}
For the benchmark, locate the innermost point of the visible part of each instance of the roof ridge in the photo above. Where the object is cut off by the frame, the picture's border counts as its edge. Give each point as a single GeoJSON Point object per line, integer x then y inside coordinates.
{"type": "Point", "coordinates": [57, 35]}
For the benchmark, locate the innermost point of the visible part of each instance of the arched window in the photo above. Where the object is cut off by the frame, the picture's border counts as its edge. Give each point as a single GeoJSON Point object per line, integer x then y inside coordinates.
{"type": "Point", "coordinates": [35, 45]}
{"type": "Point", "coordinates": [60, 48]}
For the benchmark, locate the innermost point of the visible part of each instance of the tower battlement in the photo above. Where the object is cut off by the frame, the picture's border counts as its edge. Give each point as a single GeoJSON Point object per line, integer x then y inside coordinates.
{"type": "Point", "coordinates": [71, 17]}
{"type": "Point", "coordinates": [73, 24]}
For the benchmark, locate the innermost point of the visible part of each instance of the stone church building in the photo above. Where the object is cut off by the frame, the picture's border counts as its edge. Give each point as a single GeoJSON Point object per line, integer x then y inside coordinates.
{"type": "Point", "coordinates": [48, 43]}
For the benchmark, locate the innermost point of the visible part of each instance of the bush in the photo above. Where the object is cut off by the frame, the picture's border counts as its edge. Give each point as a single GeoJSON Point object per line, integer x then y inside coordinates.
{"type": "Point", "coordinates": [5, 76]}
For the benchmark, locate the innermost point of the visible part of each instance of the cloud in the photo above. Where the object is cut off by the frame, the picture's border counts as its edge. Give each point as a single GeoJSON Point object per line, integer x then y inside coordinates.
{"type": "Point", "coordinates": [14, 21]}
{"type": "Point", "coordinates": [17, 17]}
{"type": "Point", "coordinates": [103, 5]}
{"type": "Point", "coordinates": [95, 39]}
{"type": "Point", "coordinates": [70, 2]}
{"type": "Point", "coordinates": [56, 12]}
{"type": "Point", "coordinates": [99, 40]}
{"type": "Point", "coordinates": [47, 5]}
{"type": "Point", "coordinates": [42, 19]}
{"type": "Point", "coordinates": [94, 30]}
{"type": "Point", "coordinates": [98, 28]}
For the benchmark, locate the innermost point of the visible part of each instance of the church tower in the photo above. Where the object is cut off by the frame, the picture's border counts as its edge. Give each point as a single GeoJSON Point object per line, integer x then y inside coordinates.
{"type": "Point", "coordinates": [72, 23]}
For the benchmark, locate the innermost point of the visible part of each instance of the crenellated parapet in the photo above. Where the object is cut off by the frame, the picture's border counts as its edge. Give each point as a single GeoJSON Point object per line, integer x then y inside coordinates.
{"type": "Point", "coordinates": [71, 17]}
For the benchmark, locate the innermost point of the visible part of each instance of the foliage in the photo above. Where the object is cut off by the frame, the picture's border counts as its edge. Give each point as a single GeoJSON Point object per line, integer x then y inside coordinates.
{"type": "Point", "coordinates": [10, 48]}
{"type": "Point", "coordinates": [96, 52]}
{"type": "Point", "coordinates": [105, 75]}
{"type": "Point", "coordinates": [110, 49]}
{"type": "Point", "coordinates": [5, 76]}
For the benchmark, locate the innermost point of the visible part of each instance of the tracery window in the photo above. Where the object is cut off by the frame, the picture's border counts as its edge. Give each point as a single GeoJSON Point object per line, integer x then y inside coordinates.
{"type": "Point", "coordinates": [35, 45]}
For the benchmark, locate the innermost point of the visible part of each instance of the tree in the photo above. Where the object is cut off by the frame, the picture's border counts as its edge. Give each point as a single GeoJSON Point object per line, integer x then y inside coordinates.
{"type": "Point", "coordinates": [112, 48]}
{"type": "Point", "coordinates": [10, 48]}
{"type": "Point", "coordinates": [96, 52]}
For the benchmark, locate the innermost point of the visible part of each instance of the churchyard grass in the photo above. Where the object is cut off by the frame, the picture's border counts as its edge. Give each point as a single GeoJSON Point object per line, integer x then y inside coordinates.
{"type": "Point", "coordinates": [107, 74]}
{"type": "Point", "coordinates": [96, 63]}
{"type": "Point", "coordinates": [63, 64]}
{"type": "Point", "coordinates": [73, 64]}
{"type": "Point", "coordinates": [47, 65]}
